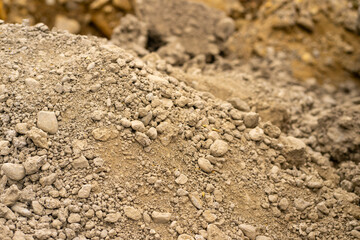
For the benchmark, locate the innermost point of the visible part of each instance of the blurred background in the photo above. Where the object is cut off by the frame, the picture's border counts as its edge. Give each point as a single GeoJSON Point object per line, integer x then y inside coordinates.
{"type": "Point", "coordinates": [320, 36]}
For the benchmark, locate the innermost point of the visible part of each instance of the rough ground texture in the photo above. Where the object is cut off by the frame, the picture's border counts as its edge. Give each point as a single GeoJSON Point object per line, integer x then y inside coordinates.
{"type": "Point", "coordinates": [99, 144]}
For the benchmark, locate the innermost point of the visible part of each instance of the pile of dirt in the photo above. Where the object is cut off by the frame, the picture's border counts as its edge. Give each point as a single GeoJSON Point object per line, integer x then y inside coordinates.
{"type": "Point", "coordinates": [97, 143]}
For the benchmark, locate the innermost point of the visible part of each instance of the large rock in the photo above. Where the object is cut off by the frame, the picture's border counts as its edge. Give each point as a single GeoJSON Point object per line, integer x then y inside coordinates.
{"type": "Point", "coordinates": [13, 171]}
{"type": "Point", "coordinates": [47, 122]}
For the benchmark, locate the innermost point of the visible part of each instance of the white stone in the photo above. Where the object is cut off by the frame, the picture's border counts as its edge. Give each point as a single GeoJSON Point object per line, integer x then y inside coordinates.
{"type": "Point", "coordinates": [132, 213]}
{"type": "Point", "coordinates": [161, 217]}
{"type": "Point", "coordinates": [13, 171]}
{"type": "Point", "coordinates": [256, 134]}
{"type": "Point", "coordinates": [84, 192]}
{"type": "Point", "coordinates": [219, 148]}
{"type": "Point", "coordinates": [205, 165]}
{"type": "Point", "coordinates": [47, 122]}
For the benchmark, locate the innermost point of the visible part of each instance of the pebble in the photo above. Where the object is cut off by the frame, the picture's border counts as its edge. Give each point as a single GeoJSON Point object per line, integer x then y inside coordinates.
{"type": "Point", "coordinates": [47, 122]}
{"type": "Point", "coordinates": [161, 217]}
{"type": "Point", "coordinates": [32, 83]}
{"type": "Point", "coordinates": [248, 230]}
{"type": "Point", "coordinates": [21, 128]}
{"type": "Point", "coordinates": [39, 137]}
{"type": "Point", "coordinates": [294, 150]}
{"type": "Point", "coordinates": [142, 139]}
{"type": "Point", "coordinates": [10, 196]}
{"type": "Point", "coordinates": [4, 148]}
{"type": "Point", "coordinates": [239, 104]}
{"type": "Point", "coordinates": [80, 162]}
{"type": "Point", "coordinates": [132, 213]}
{"type": "Point", "coordinates": [112, 217]}
{"type": "Point", "coordinates": [13, 171]}
{"type": "Point", "coordinates": [263, 238]}
{"type": "Point", "coordinates": [138, 126]}
{"type": "Point", "coordinates": [182, 179]}
{"type": "Point", "coordinates": [205, 165]}
{"type": "Point", "coordinates": [283, 204]}
{"type": "Point", "coordinates": [85, 190]}
{"type": "Point", "coordinates": [33, 164]}
{"type": "Point", "coordinates": [251, 119]}
{"type": "Point", "coordinates": [152, 133]}
{"type": "Point", "coordinates": [209, 216]}
{"type": "Point", "coordinates": [271, 130]}
{"type": "Point", "coordinates": [195, 200]}
{"type": "Point", "coordinates": [219, 148]}
{"type": "Point", "coordinates": [74, 218]}
{"type": "Point", "coordinates": [214, 233]}
{"type": "Point", "coordinates": [323, 208]}
{"type": "Point", "coordinates": [256, 134]}
{"type": "Point", "coordinates": [301, 204]}
{"type": "Point", "coordinates": [68, 24]}
{"type": "Point", "coordinates": [185, 237]}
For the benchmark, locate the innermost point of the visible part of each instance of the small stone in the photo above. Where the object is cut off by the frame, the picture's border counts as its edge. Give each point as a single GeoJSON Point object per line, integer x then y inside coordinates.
{"type": "Point", "coordinates": [283, 204]}
{"type": "Point", "coordinates": [10, 196]}
{"type": "Point", "coordinates": [74, 218]}
{"type": "Point", "coordinates": [271, 130]}
{"type": "Point", "coordinates": [32, 83]}
{"type": "Point", "coordinates": [21, 128]}
{"type": "Point", "coordinates": [239, 104]}
{"type": "Point", "coordinates": [152, 133]}
{"type": "Point", "coordinates": [48, 180]}
{"type": "Point", "coordinates": [323, 208]}
{"type": "Point", "coordinates": [39, 137]}
{"type": "Point", "coordinates": [294, 150]}
{"type": "Point", "coordinates": [185, 237]}
{"type": "Point", "coordinates": [13, 171]}
{"type": "Point", "coordinates": [6, 213]}
{"type": "Point", "coordinates": [80, 162]}
{"type": "Point", "coordinates": [182, 179]}
{"type": "Point", "coordinates": [33, 164]}
{"type": "Point", "coordinates": [84, 192]}
{"type": "Point", "coordinates": [142, 139]}
{"type": "Point", "coordinates": [214, 233]}
{"type": "Point", "coordinates": [125, 123]}
{"type": "Point", "coordinates": [138, 126]}
{"type": "Point", "coordinates": [355, 233]}
{"type": "Point", "coordinates": [122, 4]}
{"type": "Point", "coordinates": [104, 133]}
{"type": "Point", "coordinates": [4, 148]}
{"type": "Point", "coordinates": [112, 217]}
{"type": "Point", "coordinates": [263, 238]}
{"type": "Point", "coordinates": [21, 209]}
{"type": "Point", "coordinates": [47, 122]}
{"type": "Point", "coordinates": [37, 208]}
{"type": "Point", "coordinates": [301, 204]}
{"type": "Point", "coordinates": [209, 216]}
{"type": "Point", "coordinates": [256, 134]}
{"type": "Point", "coordinates": [248, 230]}
{"type": "Point", "coordinates": [161, 217]}
{"type": "Point", "coordinates": [19, 235]}
{"type": "Point", "coordinates": [195, 200]}
{"type": "Point", "coordinates": [314, 184]}
{"type": "Point", "coordinates": [219, 148]}
{"type": "Point", "coordinates": [251, 119]}
{"type": "Point", "coordinates": [132, 213]}
{"type": "Point", "coordinates": [205, 165]}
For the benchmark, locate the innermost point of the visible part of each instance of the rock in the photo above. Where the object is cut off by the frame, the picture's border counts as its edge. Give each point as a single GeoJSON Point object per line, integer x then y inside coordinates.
{"type": "Point", "coordinates": [21, 128]}
{"type": "Point", "coordinates": [301, 204]}
{"type": "Point", "coordinates": [263, 238]}
{"type": "Point", "coordinates": [112, 217]}
{"type": "Point", "coordinates": [256, 134]}
{"type": "Point", "coordinates": [68, 24]}
{"type": "Point", "coordinates": [161, 217]}
{"type": "Point", "coordinates": [38, 136]}
{"type": "Point", "coordinates": [32, 83]}
{"type": "Point", "coordinates": [239, 104]}
{"type": "Point", "coordinates": [355, 233]}
{"type": "Point", "coordinates": [85, 190]}
{"type": "Point", "coordinates": [271, 130]}
{"type": "Point", "coordinates": [125, 123]}
{"type": "Point", "coordinates": [152, 133]}
{"type": "Point", "coordinates": [132, 213]}
{"type": "Point", "coordinates": [19, 235]}
{"type": "Point", "coordinates": [294, 150]}
{"type": "Point", "coordinates": [323, 208]}
{"type": "Point", "coordinates": [47, 122]}
{"type": "Point", "coordinates": [80, 162]}
{"type": "Point", "coordinates": [219, 148]}
{"type": "Point", "coordinates": [205, 165]}
{"type": "Point", "coordinates": [185, 237]}
{"type": "Point", "coordinates": [214, 233]}
{"type": "Point", "coordinates": [283, 204]}
{"type": "Point", "coordinates": [43, 234]}
{"type": "Point", "coordinates": [21, 209]}
{"type": "Point", "coordinates": [104, 133]}
{"type": "Point", "coordinates": [37, 208]}
{"type": "Point", "coordinates": [6, 213]}
{"type": "Point", "coordinates": [4, 148]}
{"type": "Point", "coordinates": [224, 28]}
{"type": "Point", "coordinates": [251, 119]}
{"type": "Point", "coordinates": [33, 164]}
{"type": "Point", "coordinates": [195, 200]}
{"type": "Point", "coordinates": [5, 232]}
{"type": "Point", "coordinates": [181, 180]}
{"type": "Point", "coordinates": [10, 196]}
{"type": "Point", "coordinates": [248, 230]}
{"type": "Point", "coordinates": [13, 171]}
{"type": "Point", "coordinates": [142, 139]}
{"type": "Point", "coordinates": [123, 4]}
{"type": "Point", "coordinates": [74, 218]}
{"type": "Point", "coordinates": [138, 126]}
{"type": "Point", "coordinates": [209, 216]}
{"type": "Point", "coordinates": [48, 180]}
